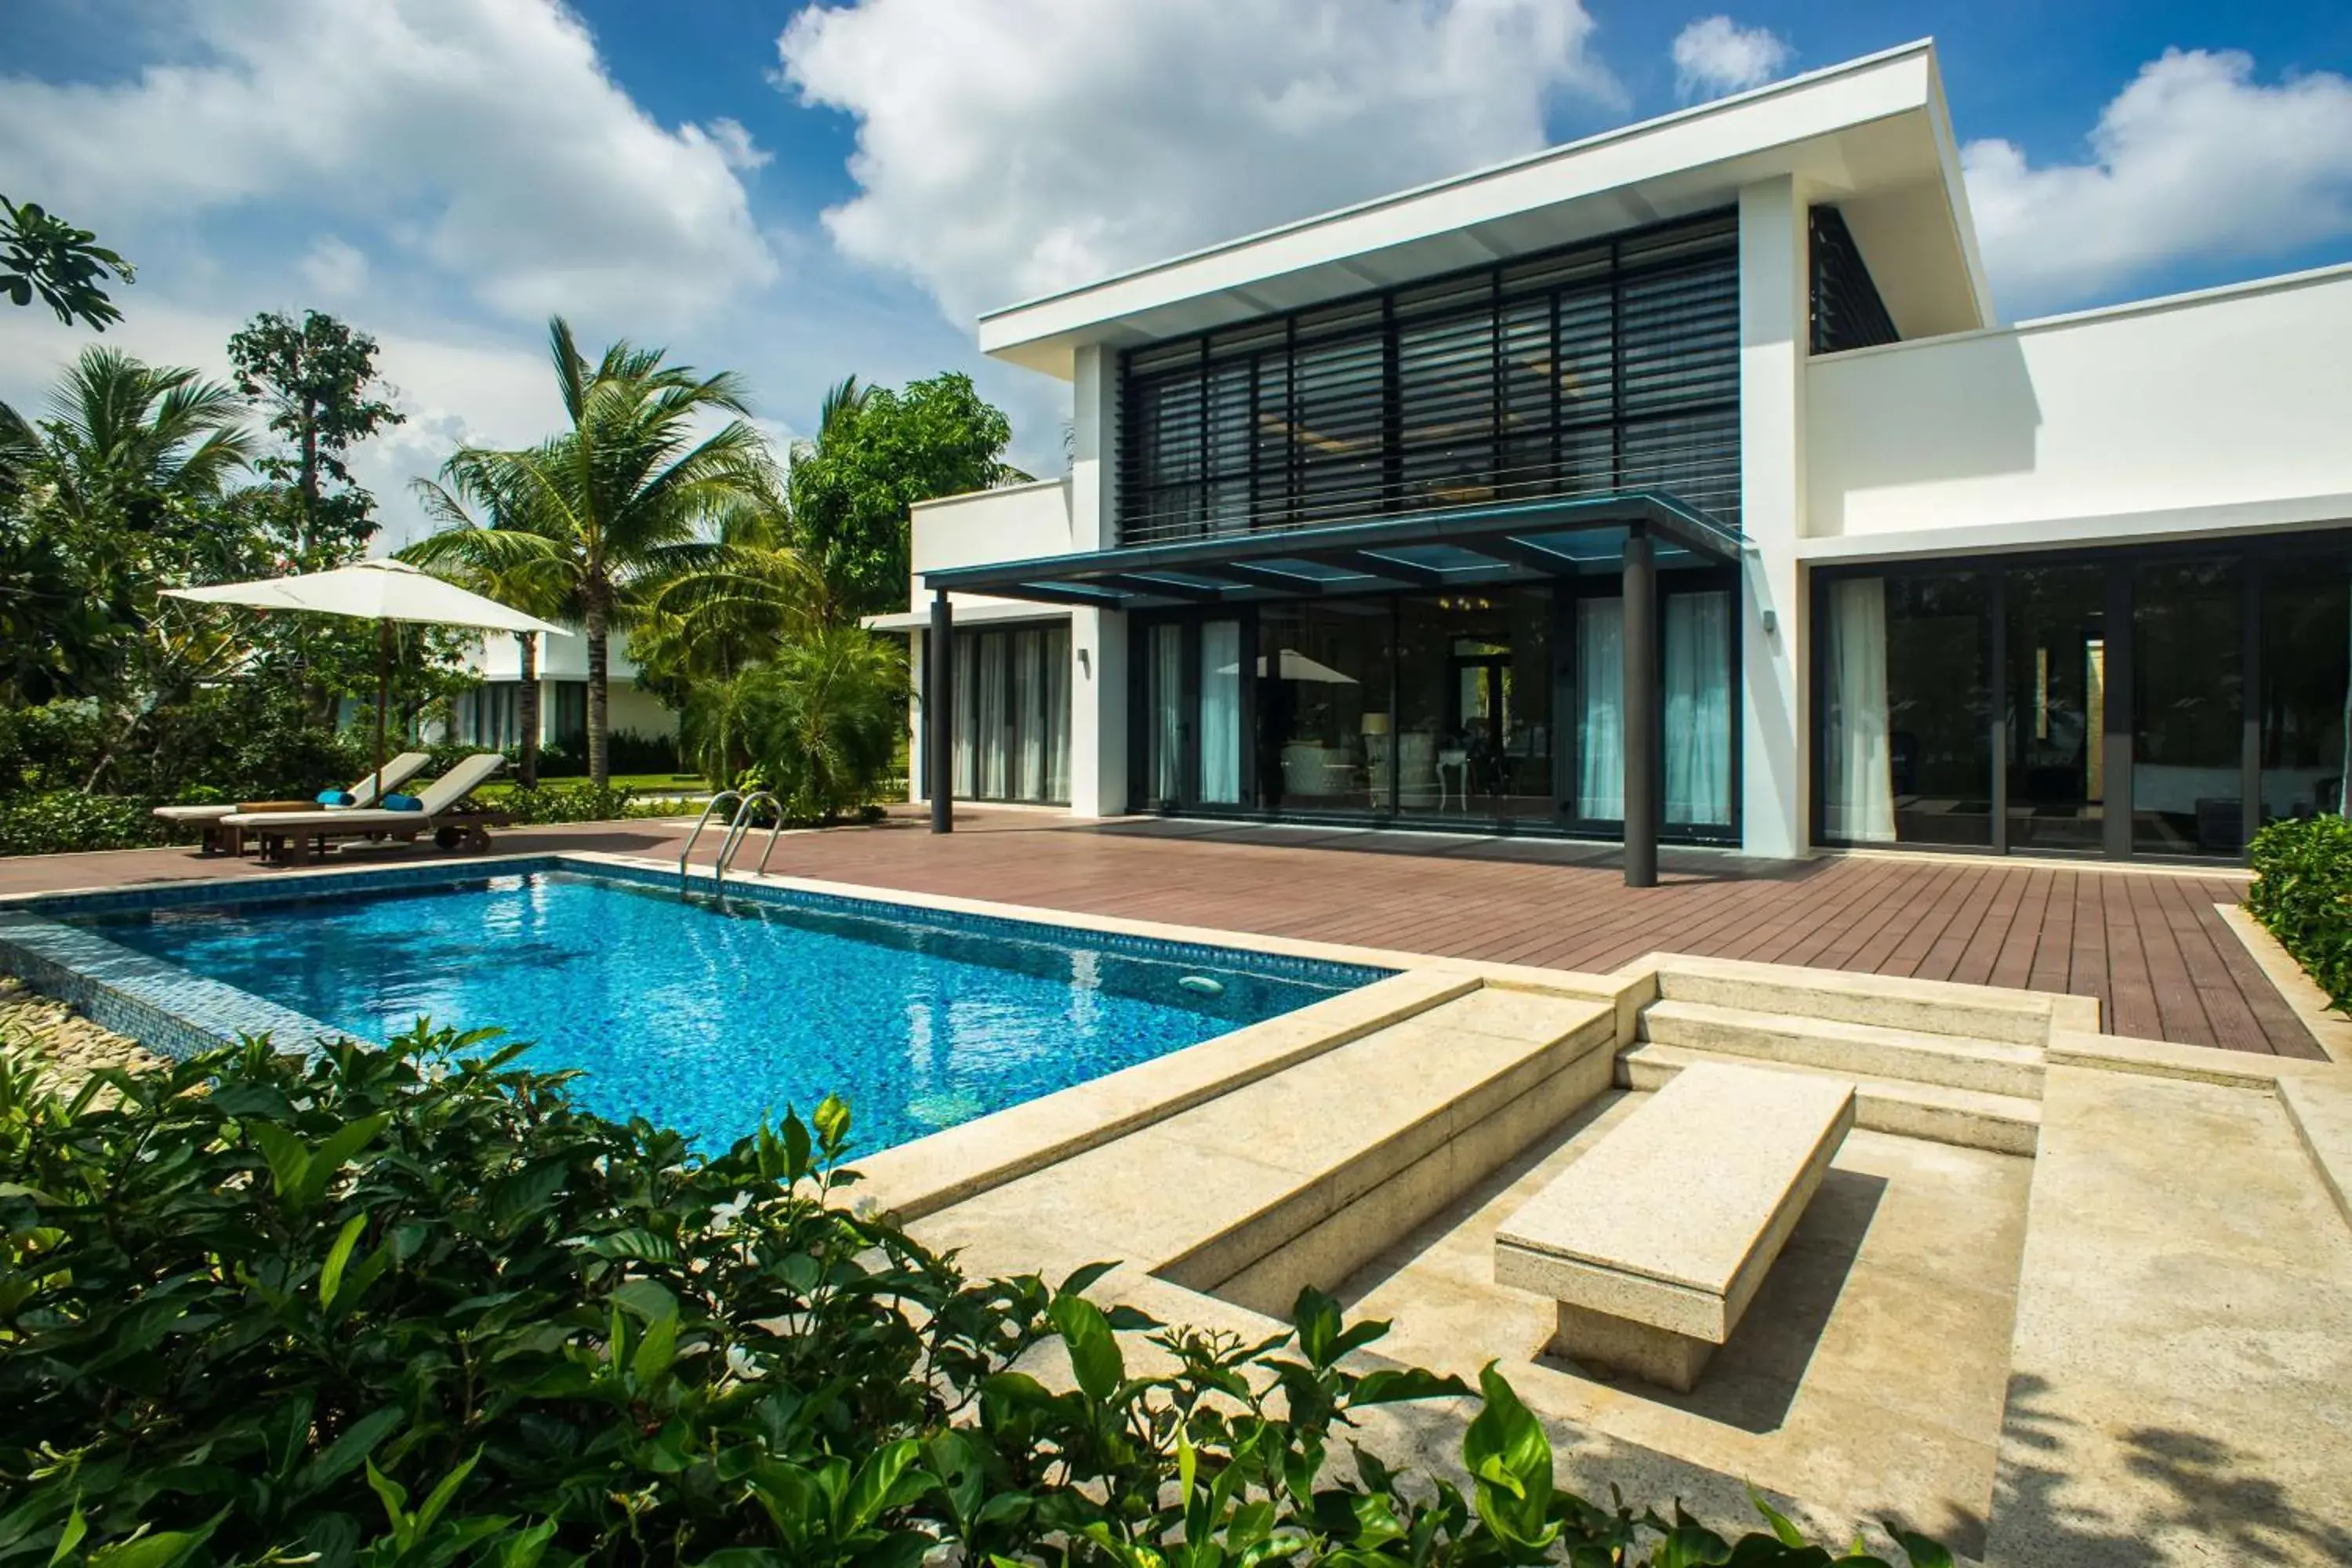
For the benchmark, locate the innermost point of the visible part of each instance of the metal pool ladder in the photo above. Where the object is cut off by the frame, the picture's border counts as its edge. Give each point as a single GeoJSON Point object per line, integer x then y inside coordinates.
{"type": "Point", "coordinates": [700, 824]}
{"type": "Point", "coordinates": [738, 830]}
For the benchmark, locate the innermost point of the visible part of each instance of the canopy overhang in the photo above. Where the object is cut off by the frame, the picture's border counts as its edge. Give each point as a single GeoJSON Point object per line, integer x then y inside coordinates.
{"type": "Point", "coordinates": [1454, 547]}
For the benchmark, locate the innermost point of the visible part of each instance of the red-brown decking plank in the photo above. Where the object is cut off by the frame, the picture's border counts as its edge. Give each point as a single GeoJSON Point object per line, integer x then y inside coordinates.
{"type": "Point", "coordinates": [2013, 960]}
{"type": "Point", "coordinates": [2149, 947]}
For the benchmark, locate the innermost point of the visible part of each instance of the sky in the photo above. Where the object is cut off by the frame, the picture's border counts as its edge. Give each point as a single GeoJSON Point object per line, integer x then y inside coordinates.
{"type": "Point", "coordinates": [804, 191]}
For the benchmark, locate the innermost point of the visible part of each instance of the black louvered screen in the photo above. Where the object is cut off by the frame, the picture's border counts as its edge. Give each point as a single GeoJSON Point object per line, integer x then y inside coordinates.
{"type": "Point", "coordinates": [1607, 366]}
{"type": "Point", "coordinates": [1847, 312]}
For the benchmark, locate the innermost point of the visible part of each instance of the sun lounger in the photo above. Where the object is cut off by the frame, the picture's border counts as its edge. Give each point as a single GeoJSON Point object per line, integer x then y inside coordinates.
{"type": "Point", "coordinates": [286, 836]}
{"type": "Point", "coordinates": [220, 839]}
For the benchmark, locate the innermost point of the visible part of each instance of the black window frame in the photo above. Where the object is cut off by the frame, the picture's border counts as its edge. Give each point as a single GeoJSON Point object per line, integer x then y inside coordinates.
{"type": "Point", "coordinates": [1638, 334]}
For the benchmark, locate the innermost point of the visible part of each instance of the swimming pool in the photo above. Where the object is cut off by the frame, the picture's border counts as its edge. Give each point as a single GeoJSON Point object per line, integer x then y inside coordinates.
{"type": "Point", "coordinates": [707, 1017]}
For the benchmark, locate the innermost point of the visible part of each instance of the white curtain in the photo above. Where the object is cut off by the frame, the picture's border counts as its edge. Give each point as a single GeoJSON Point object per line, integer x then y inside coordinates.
{"type": "Point", "coordinates": [1029, 694]}
{"type": "Point", "coordinates": [995, 710]}
{"type": "Point", "coordinates": [1698, 681]}
{"type": "Point", "coordinates": [1858, 786]}
{"type": "Point", "coordinates": [967, 715]}
{"type": "Point", "coordinates": [1058, 714]}
{"type": "Point", "coordinates": [1220, 712]}
{"type": "Point", "coordinates": [1167, 712]}
{"type": "Point", "coordinates": [1600, 748]}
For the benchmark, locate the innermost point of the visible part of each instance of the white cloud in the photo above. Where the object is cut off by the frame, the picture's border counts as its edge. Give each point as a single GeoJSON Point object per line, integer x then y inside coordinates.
{"type": "Point", "coordinates": [1007, 148]}
{"type": "Point", "coordinates": [334, 269]}
{"type": "Point", "coordinates": [735, 145]}
{"type": "Point", "coordinates": [2195, 161]}
{"type": "Point", "coordinates": [483, 136]}
{"type": "Point", "coordinates": [1714, 55]}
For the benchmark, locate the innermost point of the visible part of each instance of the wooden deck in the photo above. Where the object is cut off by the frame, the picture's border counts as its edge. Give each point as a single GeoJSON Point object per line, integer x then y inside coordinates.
{"type": "Point", "coordinates": [2146, 943]}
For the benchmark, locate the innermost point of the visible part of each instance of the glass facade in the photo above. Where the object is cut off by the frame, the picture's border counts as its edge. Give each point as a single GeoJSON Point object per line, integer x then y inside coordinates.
{"type": "Point", "coordinates": [1013, 714]}
{"type": "Point", "coordinates": [1612, 365]}
{"type": "Point", "coordinates": [1440, 710]}
{"type": "Point", "coordinates": [2147, 701]}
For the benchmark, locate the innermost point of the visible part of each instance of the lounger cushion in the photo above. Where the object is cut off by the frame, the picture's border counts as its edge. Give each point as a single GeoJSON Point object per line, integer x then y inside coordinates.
{"type": "Point", "coordinates": [337, 797]}
{"type": "Point", "coordinates": [403, 802]}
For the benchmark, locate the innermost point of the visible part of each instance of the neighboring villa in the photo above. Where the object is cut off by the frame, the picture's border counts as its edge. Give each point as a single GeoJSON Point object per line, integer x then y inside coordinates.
{"type": "Point", "coordinates": [491, 714]}
{"type": "Point", "coordinates": [1680, 483]}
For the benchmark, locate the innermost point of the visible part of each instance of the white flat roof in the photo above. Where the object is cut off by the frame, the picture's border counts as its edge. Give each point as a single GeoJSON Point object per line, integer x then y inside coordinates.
{"type": "Point", "coordinates": [1871, 134]}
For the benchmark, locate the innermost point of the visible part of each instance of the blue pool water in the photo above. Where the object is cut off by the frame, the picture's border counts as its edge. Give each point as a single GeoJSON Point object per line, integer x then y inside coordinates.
{"type": "Point", "coordinates": [706, 1020]}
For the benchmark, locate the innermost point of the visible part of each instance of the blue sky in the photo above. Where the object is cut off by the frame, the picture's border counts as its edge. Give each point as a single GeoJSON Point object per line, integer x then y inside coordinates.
{"type": "Point", "coordinates": [804, 193]}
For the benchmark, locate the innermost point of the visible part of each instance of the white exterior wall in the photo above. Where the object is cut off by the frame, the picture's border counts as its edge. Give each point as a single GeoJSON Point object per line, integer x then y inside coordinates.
{"type": "Point", "coordinates": [564, 657]}
{"type": "Point", "coordinates": [1774, 325]}
{"type": "Point", "coordinates": [1097, 638]}
{"type": "Point", "coordinates": [1018, 522]}
{"type": "Point", "coordinates": [2224, 399]}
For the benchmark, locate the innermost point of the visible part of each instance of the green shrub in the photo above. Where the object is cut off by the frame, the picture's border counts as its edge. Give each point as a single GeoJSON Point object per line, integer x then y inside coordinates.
{"type": "Point", "coordinates": [2302, 893]}
{"type": "Point", "coordinates": [412, 1306]}
{"type": "Point", "coordinates": [580, 803]}
{"type": "Point", "coordinates": [819, 724]}
{"type": "Point", "coordinates": [65, 821]}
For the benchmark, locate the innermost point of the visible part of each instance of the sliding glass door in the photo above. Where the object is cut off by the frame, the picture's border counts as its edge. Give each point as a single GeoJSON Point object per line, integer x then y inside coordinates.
{"type": "Point", "coordinates": [1013, 714]}
{"type": "Point", "coordinates": [2144, 702]}
{"type": "Point", "coordinates": [1696, 649]}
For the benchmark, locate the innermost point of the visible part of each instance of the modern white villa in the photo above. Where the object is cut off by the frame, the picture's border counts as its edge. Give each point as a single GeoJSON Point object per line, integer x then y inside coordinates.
{"type": "Point", "coordinates": [490, 715]}
{"type": "Point", "coordinates": [1681, 484]}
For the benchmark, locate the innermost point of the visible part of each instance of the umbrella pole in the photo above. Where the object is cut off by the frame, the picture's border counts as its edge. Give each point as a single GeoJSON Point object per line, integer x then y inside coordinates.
{"type": "Point", "coordinates": [383, 688]}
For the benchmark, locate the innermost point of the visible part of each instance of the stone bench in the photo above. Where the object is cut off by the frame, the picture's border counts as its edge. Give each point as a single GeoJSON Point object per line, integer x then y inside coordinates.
{"type": "Point", "coordinates": [1653, 1242]}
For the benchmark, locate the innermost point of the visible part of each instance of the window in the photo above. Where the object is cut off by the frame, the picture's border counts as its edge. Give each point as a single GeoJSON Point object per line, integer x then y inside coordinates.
{"type": "Point", "coordinates": [1013, 714]}
{"type": "Point", "coordinates": [1605, 367]}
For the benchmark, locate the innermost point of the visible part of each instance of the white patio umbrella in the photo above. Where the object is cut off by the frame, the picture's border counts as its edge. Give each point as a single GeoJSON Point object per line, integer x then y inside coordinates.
{"type": "Point", "coordinates": [1296, 666]}
{"type": "Point", "coordinates": [385, 592]}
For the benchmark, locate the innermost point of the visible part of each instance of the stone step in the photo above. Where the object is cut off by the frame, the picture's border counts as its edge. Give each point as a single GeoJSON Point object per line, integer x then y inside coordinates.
{"type": "Point", "coordinates": [1889, 1001]}
{"type": "Point", "coordinates": [1871, 1050]}
{"type": "Point", "coordinates": [2004, 1123]}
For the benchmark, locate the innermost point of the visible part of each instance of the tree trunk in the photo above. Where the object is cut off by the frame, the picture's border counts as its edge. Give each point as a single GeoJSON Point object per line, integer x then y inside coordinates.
{"type": "Point", "coordinates": [600, 769]}
{"type": "Point", "coordinates": [527, 711]}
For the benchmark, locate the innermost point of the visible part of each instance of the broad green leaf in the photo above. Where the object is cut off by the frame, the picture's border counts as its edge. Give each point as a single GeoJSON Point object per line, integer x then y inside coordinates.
{"type": "Point", "coordinates": [1095, 1356]}
{"type": "Point", "coordinates": [832, 1118]}
{"type": "Point", "coordinates": [343, 1455]}
{"type": "Point", "coordinates": [70, 1537]}
{"type": "Point", "coordinates": [287, 1156]}
{"type": "Point", "coordinates": [333, 1153]}
{"type": "Point", "coordinates": [882, 1483]}
{"type": "Point", "coordinates": [1786, 1532]}
{"type": "Point", "coordinates": [331, 1274]}
{"type": "Point", "coordinates": [654, 1352]}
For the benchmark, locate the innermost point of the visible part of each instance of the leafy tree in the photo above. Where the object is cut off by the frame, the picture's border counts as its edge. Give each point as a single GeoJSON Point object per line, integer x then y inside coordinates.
{"type": "Point", "coordinates": [724, 612]}
{"type": "Point", "coordinates": [314, 377]}
{"type": "Point", "coordinates": [464, 551]}
{"type": "Point", "coordinates": [41, 254]}
{"type": "Point", "coordinates": [122, 492]}
{"type": "Point", "coordinates": [623, 499]}
{"type": "Point", "coordinates": [878, 452]}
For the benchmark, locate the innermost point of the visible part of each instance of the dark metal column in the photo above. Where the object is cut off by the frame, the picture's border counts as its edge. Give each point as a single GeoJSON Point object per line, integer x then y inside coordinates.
{"type": "Point", "coordinates": [2121, 653]}
{"type": "Point", "coordinates": [939, 704]}
{"type": "Point", "coordinates": [1644, 796]}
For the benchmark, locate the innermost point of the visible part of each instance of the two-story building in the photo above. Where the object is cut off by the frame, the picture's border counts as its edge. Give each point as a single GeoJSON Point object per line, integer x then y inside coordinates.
{"type": "Point", "coordinates": [1681, 483]}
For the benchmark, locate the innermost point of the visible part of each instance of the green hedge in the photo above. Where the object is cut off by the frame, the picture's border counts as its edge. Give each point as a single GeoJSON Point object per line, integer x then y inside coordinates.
{"type": "Point", "coordinates": [2302, 893]}
{"type": "Point", "coordinates": [413, 1306]}
{"type": "Point", "coordinates": [64, 821]}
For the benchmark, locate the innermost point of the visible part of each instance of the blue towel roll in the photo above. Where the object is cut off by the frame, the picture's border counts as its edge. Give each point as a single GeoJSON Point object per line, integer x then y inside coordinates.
{"type": "Point", "coordinates": [403, 802]}
{"type": "Point", "coordinates": [335, 797]}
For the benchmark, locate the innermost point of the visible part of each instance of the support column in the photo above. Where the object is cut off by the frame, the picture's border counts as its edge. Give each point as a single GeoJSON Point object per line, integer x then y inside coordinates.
{"type": "Point", "coordinates": [1774, 334]}
{"type": "Point", "coordinates": [1645, 798]}
{"type": "Point", "coordinates": [939, 701]}
{"type": "Point", "coordinates": [1098, 784]}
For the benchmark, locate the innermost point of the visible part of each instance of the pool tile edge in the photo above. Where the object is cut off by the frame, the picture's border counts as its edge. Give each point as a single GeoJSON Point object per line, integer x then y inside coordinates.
{"type": "Point", "coordinates": [163, 1007]}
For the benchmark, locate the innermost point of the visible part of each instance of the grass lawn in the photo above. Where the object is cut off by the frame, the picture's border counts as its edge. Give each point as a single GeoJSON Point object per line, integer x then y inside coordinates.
{"type": "Point", "coordinates": [643, 783]}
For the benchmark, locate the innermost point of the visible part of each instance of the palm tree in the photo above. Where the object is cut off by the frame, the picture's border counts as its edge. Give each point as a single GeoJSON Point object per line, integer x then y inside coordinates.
{"type": "Point", "coordinates": [464, 552]}
{"type": "Point", "coordinates": [624, 497]}
{"type": "Point", "coordinates": [112, 495]}
{"type": "Point", "coordinates": [123, 439]}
